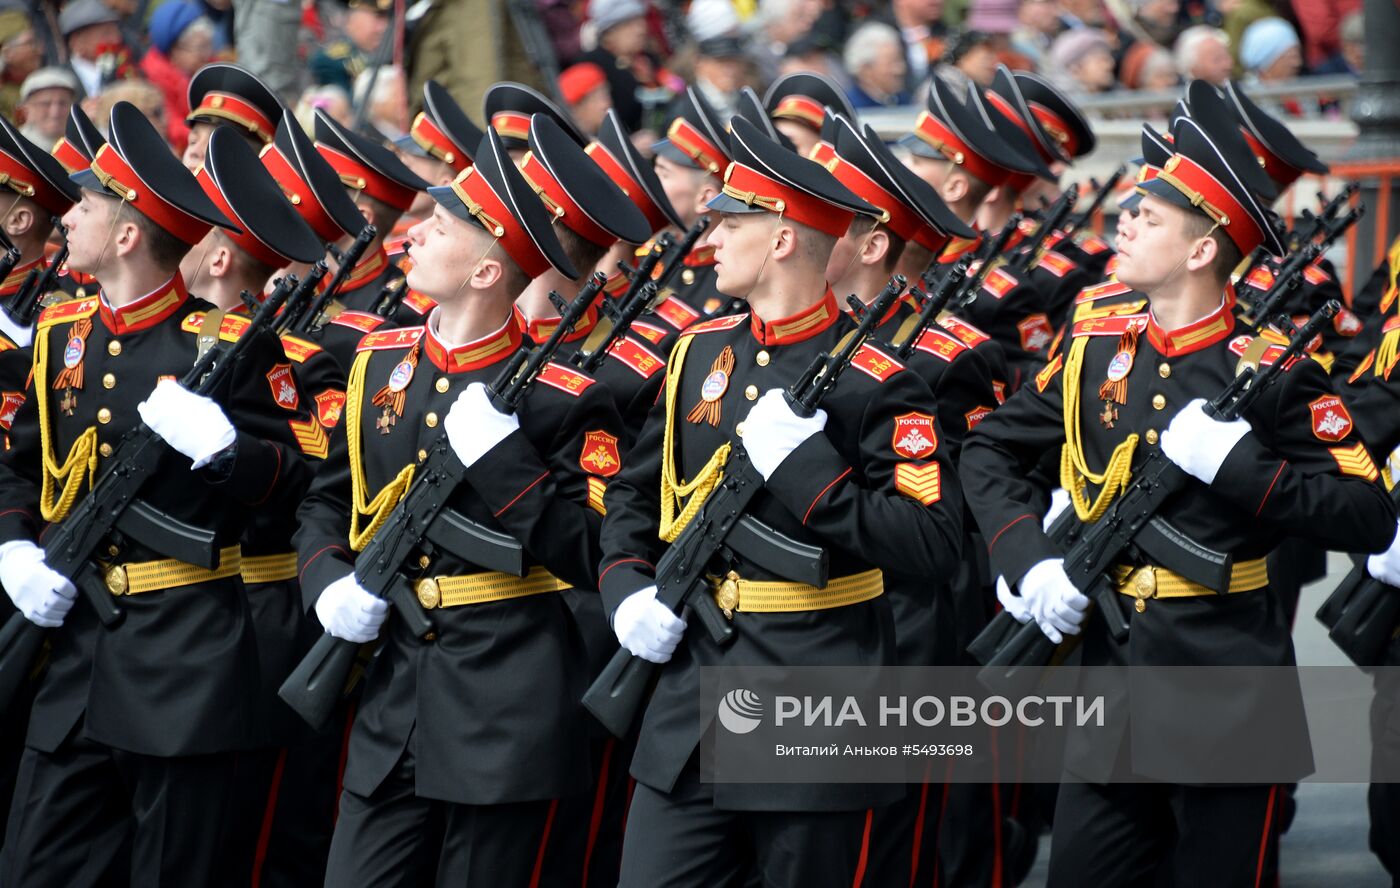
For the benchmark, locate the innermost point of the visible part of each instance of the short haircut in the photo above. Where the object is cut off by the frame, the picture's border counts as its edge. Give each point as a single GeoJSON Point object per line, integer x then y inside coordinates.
{"type": "Point", "coordinates": [583, 253]}
{"type": "Point", "coordinates": [1227, 256]}
{"type": "Point", "coordinates": [245, 265]}
{"type": "Point", "coordinates": [863, 225]}
{"type": "Point", "coordinates": [812, 245]}
{"type": "Point", "coordinates": [165, 249]}
{"type": "Point", "coordinates": [864, 45]}
{"type": "Point", "coordinates": [382, 216]}
{"type": "Point", "coordinates": [1188, 46]}
{"type": "Point", "coordinates": [977, 190]}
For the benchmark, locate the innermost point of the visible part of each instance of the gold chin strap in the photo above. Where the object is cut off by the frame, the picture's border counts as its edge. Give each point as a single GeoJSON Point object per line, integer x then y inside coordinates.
{"type": "Point", "coordinates": [673, 490]}
{"type": "Point", "coordinates": [377, 509]}
{"type": "Point", "coordinates": [81, 464]}
{"type": "Point", "coordinates": [1075, 474]}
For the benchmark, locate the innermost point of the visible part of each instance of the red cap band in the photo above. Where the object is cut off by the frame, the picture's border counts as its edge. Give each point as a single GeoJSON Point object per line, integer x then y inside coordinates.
{"type": "Point", "coordinates": [899, 218]}
{"type": "Point", "coordinates": [1276, 168]}
{"type": "Point", "coordinates": [755, 189]}
{"type": "Point", "coordinates": [72, 159]}
{"type": "Point", "coordinates": [232, 108]}
{"type": "Point", "coordinates": [1055, 125]}
{"type": "Point", "coordinates": [700, 149]}
{"type": "Point", "coordinates": [1207, 194]}
{"type": "Point", "coordinates": [427, 136]}
{"type": "Point", "coordinates": [300, 195]}
{"type": "Point", "coordinates": [247, 241]}
{"type": "Point", "coordinates": [561, 204]}
{"type": "Point", "coordinates": [493, 214]}
{"type": "Point", "coordinates": [359, 177]}
{"type": "Point", "coordinates": [511, 125]}
{"type": "Point", "coordinates": [802, 109]}
{"type": "Point", "coordinates": [116, 175]}
{"type": "Point", "coordinates": [22, 179]}
{"type": "Point", "coordinates": [634, 191]}
{"type": "Point", "coordinates": [945, 142]}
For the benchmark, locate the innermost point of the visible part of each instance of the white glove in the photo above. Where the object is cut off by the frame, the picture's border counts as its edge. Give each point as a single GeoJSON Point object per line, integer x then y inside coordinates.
{"type": "Point", "coordinates": [1055, 604]}
{"type": "Point", "coordinates": [772, 430]}
{"type": "Point", "coordinates": [1059, 501]}
{"type": "Point", "coordinates": [192, 424]}
{"type": "Point", "coordinates": [20, 335]}
{"type": "Point", "coordinates": [347, 611]}
{"type": "Point", "coordinates": [474, 425]}
{"type": "Point", "coordinates": [39, 592]}
{"type": "Point", "coordinates": [1012, 603]}
{"type": "Point", "coordinates": [1385, 566]}
{"type": "Point", "coordinates": [1199, 443]}
{"type": "Point", "coordinates": [646, 627]}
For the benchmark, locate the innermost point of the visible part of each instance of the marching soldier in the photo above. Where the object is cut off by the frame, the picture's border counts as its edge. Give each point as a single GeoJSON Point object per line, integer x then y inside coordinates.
{"type": "Point", "coordinates": [1124, 386]}
{"type": "Point", "coordinates": [383, 189]}
{"type": "Point", "coordinates": [75, 152]}
{"type": "Point", "coordinates": [223, 94]}
{"type": "Point", "coordinates": [798, 103]}
{"type": "Point", "coordinates": [464, 740]}
{"type": "Point", "coordinates": [133, 733]}
{"type": "Point", "coordinates": [834, 479]}
{"type": "Point", "coordinates": [508, 107]}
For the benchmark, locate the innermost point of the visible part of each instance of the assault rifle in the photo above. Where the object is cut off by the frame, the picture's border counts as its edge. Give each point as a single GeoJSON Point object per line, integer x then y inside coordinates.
{"type": "Point", "coordinates": [1079, 220]}
{"type": "Point", "coordinates": [299, 302]}
{"type": "Point", "coordinates": [616, 695]}
{"type": "Point", "coordinates": [314, 317]}
{"type": "Point", "coordinates": [1290, 274]}
{"type": "Point", "coordinates": [641, 290]}
{"type": "Point", "coordinates": [1131, 530]}
{"type": "Point", "coordinates": [932, 304]}
{"type": "Point", "coordinates": [423, 523]}
{"type": "Point", "coordinates": [1055, 214]}
{"type": "Point", "coordinates": [674, 261]}
{"type": "Point", "coordinates": [1362, 613]}
{"type": "Point", "coordinates": [113, 510]}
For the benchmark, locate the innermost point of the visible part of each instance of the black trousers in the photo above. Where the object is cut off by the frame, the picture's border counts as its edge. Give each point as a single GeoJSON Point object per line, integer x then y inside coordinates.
{"type": "Point", "coordinates": [679, 839]}
{"type": "Point", "coordinates": [78, 811]}
{"type": "Point", "coordinates": [395, 839]}
{"type": "Point", "coordinates": [1155, 834]}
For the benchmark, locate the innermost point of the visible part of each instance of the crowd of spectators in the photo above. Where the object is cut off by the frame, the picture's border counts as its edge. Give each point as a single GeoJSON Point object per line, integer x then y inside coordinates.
{"type": "Point", "coordinates": [636, 55]}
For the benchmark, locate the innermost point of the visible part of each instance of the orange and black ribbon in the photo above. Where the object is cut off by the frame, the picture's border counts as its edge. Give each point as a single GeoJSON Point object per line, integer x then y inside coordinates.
{"type": "Point", "coordinates": [72, 377]}
{"type": "Point", "coordinates": [392, 401]}
{"type": "Point", "coordinates": [708, 408]}
{"type": "Point", "coordinates": [1116, 390]}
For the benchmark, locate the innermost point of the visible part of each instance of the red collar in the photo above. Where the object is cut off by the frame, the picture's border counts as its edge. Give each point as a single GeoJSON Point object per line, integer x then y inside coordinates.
{"type": "Point", "coordinates": [541, 329]}
{"type": "Point", "coordinates": [147, 311]}
{"type": "Point", "coordinates": [1214, 327]}
{"type": "Point", "coordinates": [701, 255]}
{"type": "Point", "coordinates": [10, 285]}
{"type": "Point", "coordinates": [800, 327]}
{"type": "Point", "coordinates": [474, 355]}
{"type": "Point", "coordinates": [368, 269]}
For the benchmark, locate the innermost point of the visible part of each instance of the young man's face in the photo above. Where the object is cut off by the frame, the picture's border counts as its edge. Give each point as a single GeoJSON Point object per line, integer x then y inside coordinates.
{"type": "Point", "coordinates": [803, 137]}
{"type": "Point", "coordinates": [844, 263]}
{"type": "Point", "coordinates": [682, 187]}
{"type": "Point", "coordinates": [89, 225]}
{"type": "Point", "coordinates": [742, 242]}
{"type": "Point", "coordinates": [445, 251]}
{"type": "Point", "coordinates": [198, 144]}
{"type": "Point", "coordinates": [1152, 246]}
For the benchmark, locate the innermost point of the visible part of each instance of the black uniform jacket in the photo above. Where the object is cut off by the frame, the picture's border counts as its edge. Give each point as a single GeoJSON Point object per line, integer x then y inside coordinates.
{"type": "Point", "coordinates": [175, 676]}
{"type": "Point", "coordinates": [491, 703]}
{"type": "Point", "coordinates": [1303, 468]}
{"type": "Point", "coordinates": [876, 489]}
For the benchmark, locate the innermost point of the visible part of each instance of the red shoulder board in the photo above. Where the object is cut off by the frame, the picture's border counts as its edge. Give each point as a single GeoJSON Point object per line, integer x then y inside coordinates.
{"type": "Point", "coordinates": [1055, 237]}
{"type": "Point", "coordinates": [1271, 354]}
{"type": "Point", "coordinates": [298, 349]}
{"type": "Point", "coordinates": [403, 337]}
{"type": "Point", "coordinates": [702, 255]}
{"type": "Point", "coordinates": [230, 328]}
{"type": "Point", "coordinates": [728, 322]}
{"type": "Point", "coordinates": [967, 334]}
{"type": "Point", "coordinates": [875, 363]}
{"type": "Point", "coordinates": [676, 313]}
{"type": "Point", "coordinates": [940, 344]}
{"type": "Point", "coordinates": [1101, 291]}
{"type": "Point", "coordinates": [418, 302]}
{"type": "Point", "coordinates": [1110, 267]}
{"type": "Point", "coordinates": [563, 378]}
{"type": "Point", "coordinates": [1110, 326]}
{"type": "Point", "coordinates": [358, 320]}
{"type": "Point", "coordinates": [1346, 323]}
{"type": "Point", "coordinates": [642, 360]}
{"type": "Point", "coordinates": [1093, 245]}
{"type": "Point", "coordinates": [6, 344]}
{"type": "Point", "coordinates": [650, 333]}
{"type": "Point", "coordinates": [1056, 264]}
{"type": "Point", "coordinates": [617, 285]}
{"type": "Point", "coordinates": [71, 310]}
{"type": "Point", "coordinates": [1260, 278]}
{"type": "Point", "coordinates": [1315, 275]}
{"type": "Point", "coordinates": [999, 283]}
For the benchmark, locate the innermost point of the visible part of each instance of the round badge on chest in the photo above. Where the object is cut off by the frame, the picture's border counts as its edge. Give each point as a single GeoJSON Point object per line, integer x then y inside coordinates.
{"type": "Point", "coordinates": [401, 377]}
{"type": "Point", "coordinates": [1120, 366]}
{"type": "Point", "coordinates": [73, 353]}
{"type": "Point", "coordinates": [714, 387]}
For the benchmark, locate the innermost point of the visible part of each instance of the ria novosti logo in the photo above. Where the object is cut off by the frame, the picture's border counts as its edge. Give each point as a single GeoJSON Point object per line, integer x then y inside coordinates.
{"type": "Point", "coordinates": [740, 711]}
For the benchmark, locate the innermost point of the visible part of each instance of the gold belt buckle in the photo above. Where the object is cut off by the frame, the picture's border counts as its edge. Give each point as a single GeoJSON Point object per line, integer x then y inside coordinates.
{"type": "Point", "coordinates": [727, 595]}
{"type": "Point", "coordinates": [116, 580]}
{"type": "Point", "coordinates": [1144, 583]}
{"type": "Point", "coordinates": [428, 593]}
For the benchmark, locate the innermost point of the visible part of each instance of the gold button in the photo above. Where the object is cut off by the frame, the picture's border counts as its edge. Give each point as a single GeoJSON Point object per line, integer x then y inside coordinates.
{"type": "Point", "coordinates": [114, 347]}
{"type": "Point", "coordinates": [108, 381]}
{"type": "Point", "coordinates": [104, 416]}
{"type": "Point", "coordinates": [687, 277]}
{"type": "Point", "coordinates": [81, 294]}
{"type": "Point", "coordinates": [739, 429]}
{"type": "Point", "coordinates": [428, 594]}
{"type": "Point", "coordinates": [431, 636]}
{"type": "Point", "coordinates": [1159, 401]}
{"type": "Point", "coordinates": [751, 392]}
{"type": "Point", "coordinates": [441, 384]}
{"type": "Point", "coordinates": [762, 358]}
{"type": "Point", "coordinates": [424, 561]}
{"type": "Point", "coordinates": [105, 449]}
{"type": "Point", "coordinates": [116, 580]}
{"type": "Point", "coordinates": [1164, 370]}
{"type": "Point", "coordinates": [1151, 436]}
{"type": "Point", "coordinates": [422, 455]}
{"type": "Point", "coordinates": [113, 551]}
{"type": "Point", "coordinates": [431, 420]}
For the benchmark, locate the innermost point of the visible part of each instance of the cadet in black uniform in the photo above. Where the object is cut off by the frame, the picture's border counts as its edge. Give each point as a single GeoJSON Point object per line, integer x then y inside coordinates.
{"type": "Point", "coordinates": [383, 189]}
{"type": "Point", "coordinates": [223, 94]}
{"type": "Point", "coordinates": [864, 477]}
{"type": "Point", "coordinates": [75, 152]}
{"type": "Point", "coordinates": [798, 102]}
{"type": "Point", "coordinates": [464, 740]}
{"type": "Point", "coordinates": [1133, 382]}
{"type": "Point", "coordinates": [134, 729]}
{"type": "Point", "coordinates": [508, 107]}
